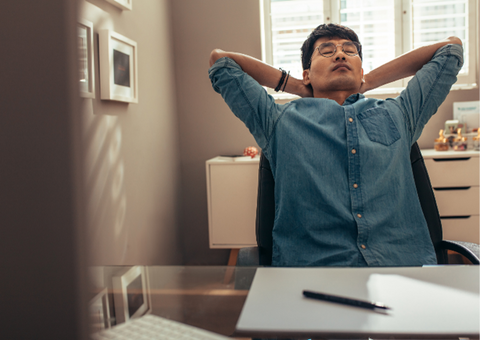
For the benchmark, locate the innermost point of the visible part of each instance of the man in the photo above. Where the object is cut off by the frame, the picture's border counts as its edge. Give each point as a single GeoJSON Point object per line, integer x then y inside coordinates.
{"type": "Point", "coordinates": [344, 188]}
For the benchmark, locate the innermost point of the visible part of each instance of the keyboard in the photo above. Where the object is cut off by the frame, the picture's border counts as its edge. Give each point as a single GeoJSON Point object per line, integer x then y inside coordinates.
{"type": "Point", "coordinates": [155, 327]}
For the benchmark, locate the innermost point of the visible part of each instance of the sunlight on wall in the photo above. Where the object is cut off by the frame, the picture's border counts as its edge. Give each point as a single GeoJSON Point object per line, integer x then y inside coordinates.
{"type": "Point", "coordinates": [104, 181]}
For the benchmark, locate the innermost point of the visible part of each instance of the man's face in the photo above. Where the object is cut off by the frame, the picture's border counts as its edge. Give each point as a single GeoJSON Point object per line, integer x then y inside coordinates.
{"type": "Point", "coordinates": [340, 72]}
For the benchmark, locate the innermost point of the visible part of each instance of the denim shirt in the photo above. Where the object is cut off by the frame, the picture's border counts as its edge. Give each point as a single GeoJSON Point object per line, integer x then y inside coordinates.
{"type": "Point", "coordinates": [344, 188]}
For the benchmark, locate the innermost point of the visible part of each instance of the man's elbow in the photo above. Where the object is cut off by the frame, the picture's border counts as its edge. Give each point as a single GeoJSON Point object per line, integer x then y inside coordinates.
{"type": "Point", "coordinates": [215, 55]}
{"type": "Point", "coordinates": [455, 40]}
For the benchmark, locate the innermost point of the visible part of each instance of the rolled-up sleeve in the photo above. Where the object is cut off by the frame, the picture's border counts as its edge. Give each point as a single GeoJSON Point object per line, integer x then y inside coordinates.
{"type": "Point", "coordinates": [427, 90]}
{"type": "Point", "coordinates": [247, 99]}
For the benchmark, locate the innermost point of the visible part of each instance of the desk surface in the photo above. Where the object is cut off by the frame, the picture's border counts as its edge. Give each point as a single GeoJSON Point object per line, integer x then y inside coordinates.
{"type": "Point", "coordinates": [430, 302]}
{"type": "Point", "coordinates": [212, 297]}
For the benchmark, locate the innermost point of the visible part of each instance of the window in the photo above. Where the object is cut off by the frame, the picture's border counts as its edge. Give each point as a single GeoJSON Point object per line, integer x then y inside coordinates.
{"type": "Point", "coordinates": [386, 29]}
{"type": "Point", "coordinates": [374, 23]}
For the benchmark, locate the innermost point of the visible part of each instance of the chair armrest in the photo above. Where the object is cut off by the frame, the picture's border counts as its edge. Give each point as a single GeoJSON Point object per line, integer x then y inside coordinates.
{"type": "Point", "coordinates": [248, 256]}
{"type": "Point", "coordinates": [470, 250]}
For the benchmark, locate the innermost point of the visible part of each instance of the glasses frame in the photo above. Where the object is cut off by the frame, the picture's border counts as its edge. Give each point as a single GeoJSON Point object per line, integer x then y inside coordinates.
{"type": "Point", "coordinates": [357, 45]}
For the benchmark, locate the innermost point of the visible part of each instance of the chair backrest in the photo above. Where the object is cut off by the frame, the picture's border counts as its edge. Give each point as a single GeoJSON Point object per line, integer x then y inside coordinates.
{"type": "Point", "coordinates": [266, 207]}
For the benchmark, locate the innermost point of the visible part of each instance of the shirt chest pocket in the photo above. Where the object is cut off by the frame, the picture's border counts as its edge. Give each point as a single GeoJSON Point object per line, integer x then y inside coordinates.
{"type": "Point", "coordinates": [379, 126]}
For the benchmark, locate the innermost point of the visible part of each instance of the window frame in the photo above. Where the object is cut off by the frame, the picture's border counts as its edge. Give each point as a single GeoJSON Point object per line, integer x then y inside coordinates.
{"type": "Point", "coordinates": [403, 41]}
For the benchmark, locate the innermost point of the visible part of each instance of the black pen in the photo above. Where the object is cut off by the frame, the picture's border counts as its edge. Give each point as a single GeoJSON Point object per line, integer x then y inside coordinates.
{"type": "Point", "coordinates": [344, 300]}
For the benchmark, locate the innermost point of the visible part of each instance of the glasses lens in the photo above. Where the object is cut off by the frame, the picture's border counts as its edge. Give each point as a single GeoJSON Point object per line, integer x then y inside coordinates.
{"type": "Point", "coordinates": [350, 48]}
{"type": "Point", "coordinates": [327, 49]}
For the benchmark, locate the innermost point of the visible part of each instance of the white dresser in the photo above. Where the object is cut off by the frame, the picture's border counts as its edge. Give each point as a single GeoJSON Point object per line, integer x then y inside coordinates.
{"type": "Point", "coordinates": [455, 179]}
{"type": "Point", "coordinates": [232, 201]}
{"type": "Point", "coordinates": [232, 197]}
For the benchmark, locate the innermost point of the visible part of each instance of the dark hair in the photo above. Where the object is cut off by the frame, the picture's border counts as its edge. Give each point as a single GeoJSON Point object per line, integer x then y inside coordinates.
{"type": "Point", "coordinates": [330, 31]}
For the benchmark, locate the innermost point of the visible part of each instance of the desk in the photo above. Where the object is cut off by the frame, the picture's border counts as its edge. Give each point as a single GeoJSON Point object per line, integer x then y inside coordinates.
{"type": "Point", "coordinates": [199, 295]}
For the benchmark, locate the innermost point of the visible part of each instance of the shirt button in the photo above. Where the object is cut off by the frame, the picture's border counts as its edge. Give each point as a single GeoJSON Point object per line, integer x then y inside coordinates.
{"type": "Point", "coordinates": [354, 151]}
{"type": "Point", "coordinates": [359, 215]}
{"type": "Point", "coordinates": [350, 119]}
{"type": "Point", "coordinates": [363, 246]}
{"type": "Point", "coordinates": [355, 185]}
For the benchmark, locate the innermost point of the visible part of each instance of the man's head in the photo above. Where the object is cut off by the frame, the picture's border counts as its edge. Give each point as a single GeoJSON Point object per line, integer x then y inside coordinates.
{"type": "Point", "coordinates": [327, 72]}
{"type": "Point", "coordinates": [328, 31]}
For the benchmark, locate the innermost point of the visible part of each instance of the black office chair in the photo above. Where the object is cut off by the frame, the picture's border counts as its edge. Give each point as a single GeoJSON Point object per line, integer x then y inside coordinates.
{"type": "Point", "coordinates": [262, 254]}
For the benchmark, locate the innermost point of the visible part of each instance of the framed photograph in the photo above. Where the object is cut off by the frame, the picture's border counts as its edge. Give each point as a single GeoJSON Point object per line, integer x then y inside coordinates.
{"type": "Point", "coordinates": [131, 294]}
{"type": "Point", "coordinates": [118, 67]}
{"type": "Point", "coordinates": [125, 5]}
{"type": "Point", "coordinates": [99, 312]}
{"type": "Point", "coordinates": [85, 59]}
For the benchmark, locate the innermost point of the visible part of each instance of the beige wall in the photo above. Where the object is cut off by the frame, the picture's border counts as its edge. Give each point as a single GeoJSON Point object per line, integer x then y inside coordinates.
{"type": "Point", "coordinates": [207, 127]}
{"type": "Point", "coordinates": [131, 152]}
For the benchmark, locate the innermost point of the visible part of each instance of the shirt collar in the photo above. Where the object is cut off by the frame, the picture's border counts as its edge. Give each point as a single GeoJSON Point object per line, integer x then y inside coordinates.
{"type": "Point", "coordinates": [353, 98]}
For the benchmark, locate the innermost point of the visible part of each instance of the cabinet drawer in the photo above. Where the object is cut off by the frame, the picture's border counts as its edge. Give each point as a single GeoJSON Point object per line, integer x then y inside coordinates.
{"type": "Point", "coordinates": [461, 229]}
{"type": "Point", "coordinates": [453, 172]}
{"type": "Point", "coordinates": [457, 202]}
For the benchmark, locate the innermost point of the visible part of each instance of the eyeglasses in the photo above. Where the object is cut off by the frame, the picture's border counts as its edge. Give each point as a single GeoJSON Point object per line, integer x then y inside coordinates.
{"type": "Point", "coordinates": [329, 49]}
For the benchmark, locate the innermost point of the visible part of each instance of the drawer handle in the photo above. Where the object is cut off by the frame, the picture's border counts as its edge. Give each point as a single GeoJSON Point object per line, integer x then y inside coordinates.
{"type": "Point", "coordinates": [451, 188]}
{"type": "Point", "coordinates": [451, 159]}
{"type": "Point", "coordinates": [454, 217]}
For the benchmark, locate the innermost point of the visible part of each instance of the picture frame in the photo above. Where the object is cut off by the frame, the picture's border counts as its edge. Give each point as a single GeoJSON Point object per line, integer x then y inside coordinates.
{"type": "Point", "coordinates": [86, 72]}
{"type": "Point", "coordinates": [124, 5]}
{"type": "Point", "coordinates": [131, 294]}
{"type": "Point", "coordinates": [99, 312]}
{"type": "Point", "coordinates": [118, 67]}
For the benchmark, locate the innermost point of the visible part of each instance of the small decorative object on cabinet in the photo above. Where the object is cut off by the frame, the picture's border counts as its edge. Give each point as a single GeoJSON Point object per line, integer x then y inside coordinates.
{"type": "Point", "coordinates": [118, 67]}
{"type": "Point", "coordinates": [232, 201]}
{"type": "Point", "coordinates": [455, 180]}
{"type": "Point", "coordinates": [441, 143]}
{"type": "Point", "coordinates": [250, 151]}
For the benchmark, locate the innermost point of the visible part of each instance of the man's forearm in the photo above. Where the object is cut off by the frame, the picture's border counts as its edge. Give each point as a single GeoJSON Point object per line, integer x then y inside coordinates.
{"type": "Point", "coordinates": [264, 74]}
{"type": "Point", "coordinates": [405, 65]}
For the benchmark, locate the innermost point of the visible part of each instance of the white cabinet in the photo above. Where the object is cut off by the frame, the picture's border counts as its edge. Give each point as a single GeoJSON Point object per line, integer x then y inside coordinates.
{"type": "Point", "coordinates": [455, 180]}
{"type": "Point", "coordinates": [232, 197]}
{"type": "Point", "coordinates": [232, 201]}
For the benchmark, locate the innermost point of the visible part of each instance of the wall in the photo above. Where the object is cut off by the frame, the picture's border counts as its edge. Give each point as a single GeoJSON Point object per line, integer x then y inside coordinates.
{"type": "Point", "coordinates": [131, 153]}
{"type": "Point", "coordinates": [41, 255]}
{"type": "Point", "coordinates": [207, 126]}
